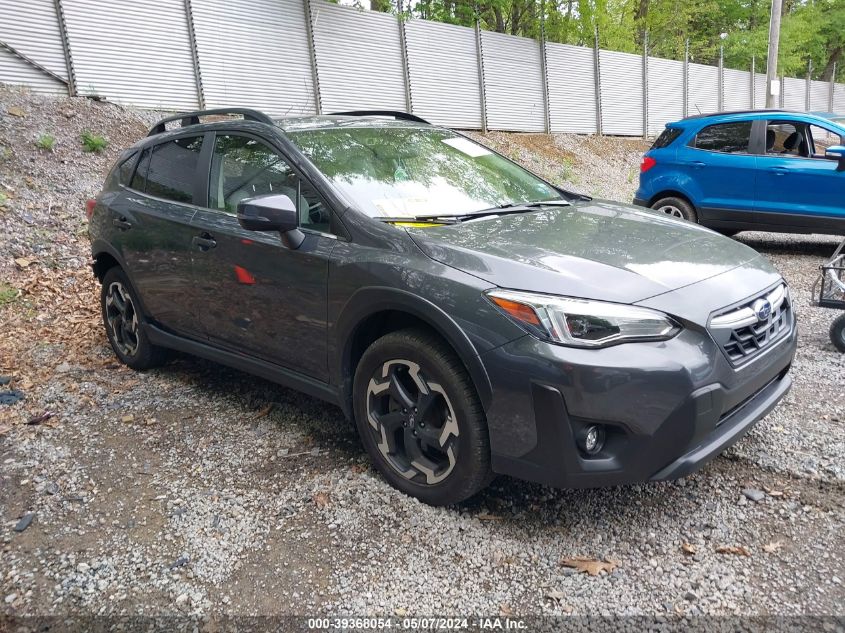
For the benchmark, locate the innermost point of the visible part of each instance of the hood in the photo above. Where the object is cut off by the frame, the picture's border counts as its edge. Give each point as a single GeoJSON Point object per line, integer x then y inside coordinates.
{"type": "Point", "coordinates": [595, 250]}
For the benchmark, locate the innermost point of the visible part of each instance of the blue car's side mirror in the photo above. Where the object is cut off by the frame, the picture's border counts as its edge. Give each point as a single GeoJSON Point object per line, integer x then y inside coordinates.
{"type": "Point", "coordinates": [836, 152]}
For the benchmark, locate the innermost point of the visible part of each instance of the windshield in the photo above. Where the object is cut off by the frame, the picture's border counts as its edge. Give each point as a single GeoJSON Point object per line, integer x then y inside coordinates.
{"type": "Point", "coordinates": [404, 172]}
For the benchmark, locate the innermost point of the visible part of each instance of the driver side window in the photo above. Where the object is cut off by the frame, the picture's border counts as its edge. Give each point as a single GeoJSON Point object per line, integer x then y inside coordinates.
{"type": "Point", "coordinates": [822, 139]}
{"type": "Point", "coordinates": [243, 167]}
{"type": "Point", "coordinates": [786, 138]}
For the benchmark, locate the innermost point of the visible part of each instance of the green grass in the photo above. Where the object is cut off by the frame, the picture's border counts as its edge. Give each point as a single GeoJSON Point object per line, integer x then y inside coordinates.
{"type": "Point", "coordinates": [7, 294]}
{"type": "Point", "coordinates": [3, 199]}
{"type": "Point", "coordinates": [46, 142]}
{"type": "Point", "coordinates": [93, 142]}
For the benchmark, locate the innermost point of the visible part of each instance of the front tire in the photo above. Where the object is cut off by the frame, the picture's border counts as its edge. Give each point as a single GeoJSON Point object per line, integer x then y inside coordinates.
{"type": "Point", "coordinates": [837, 333]}
{"type": "Point", "coordinates": [420, 419]}
{"type": "Point", "coordinates": [123, 321]}
{"type": "Point", "coordinates": [676, 207]}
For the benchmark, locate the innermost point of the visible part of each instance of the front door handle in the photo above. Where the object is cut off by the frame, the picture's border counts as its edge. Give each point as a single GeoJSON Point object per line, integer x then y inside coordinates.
{"type": "Point", "coordinates": [779, 171]}
{"type": "Point", "coordinates": [204, 242]}
{"type": "Point", "coordinates": [122, 223]}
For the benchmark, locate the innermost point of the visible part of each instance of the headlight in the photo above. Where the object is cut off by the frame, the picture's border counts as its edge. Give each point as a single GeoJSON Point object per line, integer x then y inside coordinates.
{"type": "Point", "coordinates": [582, 322]}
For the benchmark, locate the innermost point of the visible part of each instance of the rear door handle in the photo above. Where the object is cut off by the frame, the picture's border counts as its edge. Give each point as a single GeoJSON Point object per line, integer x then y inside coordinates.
{"type": "Point", "coordinates": [696, 164]}
{"type": "Point", "coordinates": [204, 242]}
{"type": "Point", "coordinates": [122, 223]}
{"type": "Point", "coordinates": [779, 171]}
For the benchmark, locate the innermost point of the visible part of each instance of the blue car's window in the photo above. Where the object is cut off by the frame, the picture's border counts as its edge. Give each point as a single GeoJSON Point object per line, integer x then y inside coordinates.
{"type": "Point", "coordinates": [822, 138]}
{"type": "Point", "coordinates": [786, 138]}
{"type": "Point", "coordinates": [666, 138]}
{"type": "Point", "coordinates": [727, 138]}
{"type": "Point", "coordinates": [409, 171]}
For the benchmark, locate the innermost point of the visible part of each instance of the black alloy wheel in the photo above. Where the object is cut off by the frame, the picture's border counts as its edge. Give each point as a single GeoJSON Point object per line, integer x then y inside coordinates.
{"type": "Point", "coordinates": [420, 419]}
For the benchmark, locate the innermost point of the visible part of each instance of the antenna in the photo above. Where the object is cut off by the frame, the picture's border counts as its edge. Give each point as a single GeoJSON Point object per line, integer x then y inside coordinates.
{"type": "Point", "coordinates": [697, 108]}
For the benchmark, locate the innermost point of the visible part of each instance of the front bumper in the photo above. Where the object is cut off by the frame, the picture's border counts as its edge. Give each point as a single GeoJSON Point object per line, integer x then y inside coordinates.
{"type": "Point", "coordinates": [668, 408]}
{"type": "Point", "coordinates": [640, 202]}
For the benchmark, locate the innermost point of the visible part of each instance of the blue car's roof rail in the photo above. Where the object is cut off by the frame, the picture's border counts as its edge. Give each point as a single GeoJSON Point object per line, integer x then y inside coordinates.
{"type": "Point", "coordinates": [730, 112]}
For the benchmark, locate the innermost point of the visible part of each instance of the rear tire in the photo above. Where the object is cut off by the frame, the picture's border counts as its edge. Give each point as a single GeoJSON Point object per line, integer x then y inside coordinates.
{"type": "Point", "coordinates": [420, 419]}
{"type": "Point", "coordinates": [123, 321]}
{"type": "Point", "coordinates": [837, 333]}
{"type": "Point", "coordinates": [677, 208]}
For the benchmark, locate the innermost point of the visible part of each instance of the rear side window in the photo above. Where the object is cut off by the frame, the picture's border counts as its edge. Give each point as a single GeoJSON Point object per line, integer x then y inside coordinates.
{"type": "Point", "coordinates": [122, 172]}
{"type": "Point", "coordinates": [666, 138]}
{"type": "Point", "coordinates": [172, 169]}
{"type": "Point", "coordinates": [727, 138]}
{"type": "Point", "coordinates": [125, 170]}
{"type": "Point", "coordinates": [139, 180]}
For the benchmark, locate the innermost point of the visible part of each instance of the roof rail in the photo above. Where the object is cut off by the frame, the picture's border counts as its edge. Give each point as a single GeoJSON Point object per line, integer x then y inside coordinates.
{"type": "Point", "coordinates": [704, 115]}
{"type": "Point", "coordinates": [396, 114]}
{"type": "Point", "coordinates": [193, 118]}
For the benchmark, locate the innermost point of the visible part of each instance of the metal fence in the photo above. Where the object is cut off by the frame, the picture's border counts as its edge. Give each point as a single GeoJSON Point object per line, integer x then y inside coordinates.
{"type": "Point", "coordinates": [309, 56]}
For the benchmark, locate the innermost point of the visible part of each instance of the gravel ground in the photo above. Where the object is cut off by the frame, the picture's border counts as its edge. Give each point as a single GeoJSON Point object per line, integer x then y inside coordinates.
{"type": "Point", "coordinates": [196, 489]}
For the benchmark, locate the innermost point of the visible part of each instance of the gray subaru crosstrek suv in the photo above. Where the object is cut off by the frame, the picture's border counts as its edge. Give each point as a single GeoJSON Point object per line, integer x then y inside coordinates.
{"type": "Point", "coordinates": [470, 317]}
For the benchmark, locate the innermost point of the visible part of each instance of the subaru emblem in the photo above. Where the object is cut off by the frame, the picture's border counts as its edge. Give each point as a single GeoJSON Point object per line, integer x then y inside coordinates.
{"type": "Point", "coordinates": [762, 309]}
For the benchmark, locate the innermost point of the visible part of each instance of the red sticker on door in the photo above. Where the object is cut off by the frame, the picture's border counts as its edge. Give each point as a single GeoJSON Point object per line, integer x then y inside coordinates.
{"type": "Point", "coordinates": [244, 276]}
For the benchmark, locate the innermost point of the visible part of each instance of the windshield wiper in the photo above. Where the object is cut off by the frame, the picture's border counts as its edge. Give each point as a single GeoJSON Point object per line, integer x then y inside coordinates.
{"type": "Point", "coordinates": [439, 219]}
{"type": "Point", "coordinates": [531, 205]}
{"type": "Point", "coordinates": [504, 209]}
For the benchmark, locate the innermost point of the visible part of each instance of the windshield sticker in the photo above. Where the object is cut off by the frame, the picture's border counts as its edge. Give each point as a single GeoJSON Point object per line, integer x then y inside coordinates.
{"type": "Point", "coordinates": [473, 150]}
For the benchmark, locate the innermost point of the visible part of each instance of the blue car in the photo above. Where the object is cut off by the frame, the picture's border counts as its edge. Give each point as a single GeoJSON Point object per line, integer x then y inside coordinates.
{"type": "Point", "coordinates": [762, 170]}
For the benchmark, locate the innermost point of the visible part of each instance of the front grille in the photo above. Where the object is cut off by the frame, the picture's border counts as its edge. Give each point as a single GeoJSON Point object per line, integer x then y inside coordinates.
{"type": "Point", "coordinates": [743, 335]}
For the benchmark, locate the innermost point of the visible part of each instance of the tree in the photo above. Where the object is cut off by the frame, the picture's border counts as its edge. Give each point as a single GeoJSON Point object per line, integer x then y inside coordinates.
{"type": "Point", "coordinates": [813, 30]}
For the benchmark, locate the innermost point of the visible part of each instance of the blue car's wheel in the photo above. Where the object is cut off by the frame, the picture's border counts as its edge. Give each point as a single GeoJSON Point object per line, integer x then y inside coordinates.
{"type": "Point", "coordinates": [676, 207]}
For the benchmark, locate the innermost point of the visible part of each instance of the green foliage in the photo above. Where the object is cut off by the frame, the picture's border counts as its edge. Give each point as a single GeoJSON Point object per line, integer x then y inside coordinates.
{"type": "Point", "coordinates": [46, 142]}
{"type": "Point", "coordinates": [93, 142]}
{"type": "Point", "coordinates": [813, 31]}
{"type": "Point", "coordinates": [7, 294]}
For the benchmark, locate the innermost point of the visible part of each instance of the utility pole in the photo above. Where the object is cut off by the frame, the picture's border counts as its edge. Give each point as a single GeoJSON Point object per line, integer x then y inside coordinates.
{"type": "Point", "coordinates": [772, 64]}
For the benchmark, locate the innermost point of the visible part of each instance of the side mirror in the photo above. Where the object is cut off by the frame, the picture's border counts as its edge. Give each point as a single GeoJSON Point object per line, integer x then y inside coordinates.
{"type": "Point", "coordinates": [275, 212]}
{"type": "Point", "coordinates": [836, 152]}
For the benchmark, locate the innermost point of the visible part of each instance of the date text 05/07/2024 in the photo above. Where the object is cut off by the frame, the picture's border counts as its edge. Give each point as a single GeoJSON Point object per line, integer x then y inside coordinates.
{"type": "Point", "coordinates": [411, 624]}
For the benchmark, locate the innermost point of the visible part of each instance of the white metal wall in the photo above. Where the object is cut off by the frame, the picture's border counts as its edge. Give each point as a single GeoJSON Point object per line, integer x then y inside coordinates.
{"type": "Point", "coordinates": [737, 87]}
{"type": "Point", "coordinates": [794, 93]}
{"type": "Point", "coordinates": [13, 70]}
{"type": "Point", "coordinates": [32, 28]}
{"type": "Point", "coordinates": [254, 53]}
{"type": "Point", "coordinates": [359, 60]}
{"type": "Point", "coordinates": [839, 98]}
{"type": "Point", "coordinates": [443, 66]}
{"type": "Point", "coordinates": [759, 90]}
{"type": "Point", "coordinates": [514, 83]}
{"type": "Point", "coordinates": [621, 93]}
{"type": "Point", "coordinates": [703, 89]}
{"type": "Point", "coordinates": [572, 88]}
{"type": "Point", "coordinates": [820, 96]}
{"type": "Point", "coordinates": [132, 52]}
{"type": "Point", "coordinates": [665, 93]}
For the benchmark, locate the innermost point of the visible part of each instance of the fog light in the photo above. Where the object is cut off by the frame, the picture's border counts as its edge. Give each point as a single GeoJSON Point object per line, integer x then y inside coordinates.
{"type": "Point", "coordinates": [592, 439]}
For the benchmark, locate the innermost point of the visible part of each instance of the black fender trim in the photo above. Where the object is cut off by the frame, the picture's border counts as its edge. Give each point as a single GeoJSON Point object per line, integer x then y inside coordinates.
{"type": "Point", "coordinates": [369, 301]}
{"type": "Point", "coordinates": [269, 371]}
{"type": "Point", "coordinates": [101, 247]}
